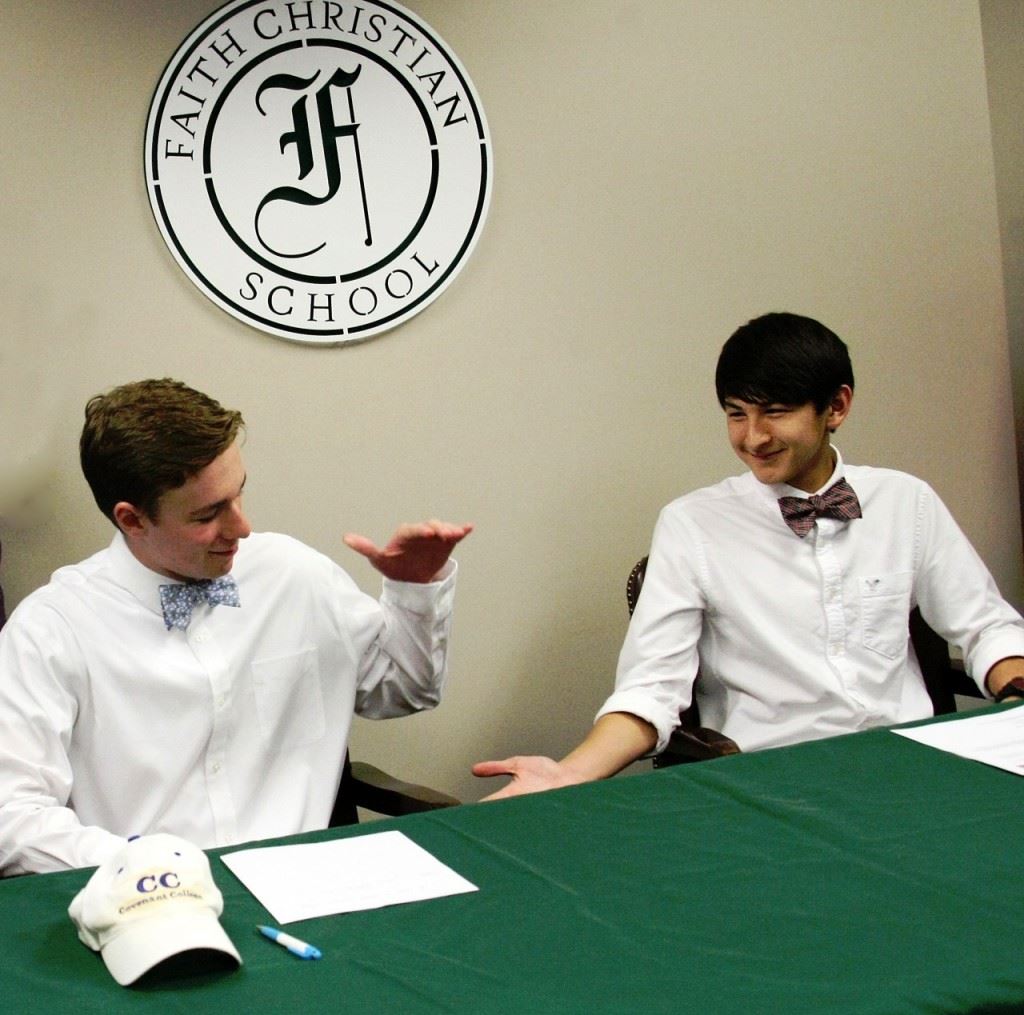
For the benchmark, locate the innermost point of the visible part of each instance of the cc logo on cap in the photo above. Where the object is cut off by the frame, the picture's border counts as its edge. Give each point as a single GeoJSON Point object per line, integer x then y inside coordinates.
{"type": "Point", "coordinates": [151, 882]}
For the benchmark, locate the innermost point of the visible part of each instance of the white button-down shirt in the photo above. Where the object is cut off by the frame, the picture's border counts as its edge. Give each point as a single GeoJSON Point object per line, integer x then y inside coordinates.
{"type": "Point", "coordinates": [235, 729]}
{"type": "Point", "coordinates": [804, 638]}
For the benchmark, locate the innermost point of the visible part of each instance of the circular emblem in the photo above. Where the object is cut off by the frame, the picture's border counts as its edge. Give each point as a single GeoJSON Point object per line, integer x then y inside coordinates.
{"type": "Point", "coordinates": [320, 170]}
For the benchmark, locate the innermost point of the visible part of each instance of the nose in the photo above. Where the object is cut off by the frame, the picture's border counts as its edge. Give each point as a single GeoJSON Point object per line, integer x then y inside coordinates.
{"type": "Point", "coordinates": [236, 525]}
{"type": "Point", "coordinates": [758, 433]}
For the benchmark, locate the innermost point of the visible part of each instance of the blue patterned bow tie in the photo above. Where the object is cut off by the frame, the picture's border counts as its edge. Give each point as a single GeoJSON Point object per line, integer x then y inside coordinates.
{"type": "Point", "coordinates": [178, 600]}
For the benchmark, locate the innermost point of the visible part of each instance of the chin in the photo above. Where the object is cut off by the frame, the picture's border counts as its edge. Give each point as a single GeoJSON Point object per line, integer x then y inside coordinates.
{"type": "Point", "coordinates": [770, 474]}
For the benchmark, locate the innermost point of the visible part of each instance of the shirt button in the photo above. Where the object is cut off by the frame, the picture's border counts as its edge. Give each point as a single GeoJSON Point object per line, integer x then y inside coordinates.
{"type": "Point", "coordinates": [215, 767]}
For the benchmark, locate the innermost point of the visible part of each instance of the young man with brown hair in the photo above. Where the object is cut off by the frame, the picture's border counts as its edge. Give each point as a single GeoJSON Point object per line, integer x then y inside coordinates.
{"type": "Point", "coordinates": [194, 677]}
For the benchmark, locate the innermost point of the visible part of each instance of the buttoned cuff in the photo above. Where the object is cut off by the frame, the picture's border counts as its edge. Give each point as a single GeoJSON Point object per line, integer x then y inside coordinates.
{"type": "Point", "coordinates": [423, 597]}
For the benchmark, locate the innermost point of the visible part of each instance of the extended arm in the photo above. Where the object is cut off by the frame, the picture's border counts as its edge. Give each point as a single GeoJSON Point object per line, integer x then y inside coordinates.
{"type": "Point", "coordinates": [614, 741]}
{"type": "Point", "coordinates": [654, 681]}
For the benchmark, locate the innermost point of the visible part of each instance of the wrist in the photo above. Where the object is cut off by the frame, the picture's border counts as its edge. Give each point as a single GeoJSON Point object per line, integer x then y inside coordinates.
{"type": "Point", "coordinates": [575, 768]}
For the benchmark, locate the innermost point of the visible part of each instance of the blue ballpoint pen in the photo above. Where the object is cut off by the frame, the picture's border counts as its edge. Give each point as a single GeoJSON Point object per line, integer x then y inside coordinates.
{"type": "Point", "coordinates": [293, 944]}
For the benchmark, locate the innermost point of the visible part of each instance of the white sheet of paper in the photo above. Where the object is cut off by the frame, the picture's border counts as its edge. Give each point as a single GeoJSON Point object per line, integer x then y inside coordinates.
{"type": "Point", "coordinates": [344, 875]}
{"type": "Point", "coordinates": [996, 738]}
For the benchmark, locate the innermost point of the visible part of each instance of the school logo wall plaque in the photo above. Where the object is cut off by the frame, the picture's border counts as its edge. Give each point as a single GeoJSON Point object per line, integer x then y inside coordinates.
{"type": "Point", "coordinates": [320, 170]}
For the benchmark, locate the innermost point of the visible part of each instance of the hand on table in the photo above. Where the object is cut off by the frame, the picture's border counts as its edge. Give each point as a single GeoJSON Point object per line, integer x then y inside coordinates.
{"type": "Point", "coordinates": [616, 739]}
{"type": "Point", "coordinates": [530, 774]}
{"type": "Point", "coordinates": [415, 553]}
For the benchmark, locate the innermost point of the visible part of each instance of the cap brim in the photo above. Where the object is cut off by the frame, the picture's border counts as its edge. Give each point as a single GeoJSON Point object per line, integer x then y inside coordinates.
{"type": "Point", "coordinates": [144, 944]}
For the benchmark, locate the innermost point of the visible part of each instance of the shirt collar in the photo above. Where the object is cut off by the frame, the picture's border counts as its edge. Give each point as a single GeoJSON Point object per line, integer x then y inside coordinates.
{"type": "Point", "coordinates": [130, 573]}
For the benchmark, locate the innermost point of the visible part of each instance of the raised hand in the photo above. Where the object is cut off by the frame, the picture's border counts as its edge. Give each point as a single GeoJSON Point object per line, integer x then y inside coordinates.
{"type": "Point", "coordinates": [415, 553]}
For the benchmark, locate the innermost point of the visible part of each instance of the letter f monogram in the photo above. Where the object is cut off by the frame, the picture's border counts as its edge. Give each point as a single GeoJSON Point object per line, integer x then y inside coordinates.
{"type": "Point", "coordinates": [300, 137]}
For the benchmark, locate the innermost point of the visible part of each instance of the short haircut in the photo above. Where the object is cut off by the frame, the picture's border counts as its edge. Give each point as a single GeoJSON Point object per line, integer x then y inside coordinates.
{"type": "Point", "coordinates": [783, 359]}
{"type": "Point", "coordinates": [142, 439]}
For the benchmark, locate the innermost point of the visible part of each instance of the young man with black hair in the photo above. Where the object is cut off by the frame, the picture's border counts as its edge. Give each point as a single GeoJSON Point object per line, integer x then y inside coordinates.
{"type": "Point", "coordinates": [194, 677]}
{"type": "Point", "coordinates": [791, 584]}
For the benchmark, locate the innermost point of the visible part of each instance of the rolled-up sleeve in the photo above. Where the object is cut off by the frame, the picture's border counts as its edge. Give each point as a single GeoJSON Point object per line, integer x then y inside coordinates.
{"type": "Point", "coordinates": [958, 596]}
{"type": "Point", "coordinates": [658, 662]}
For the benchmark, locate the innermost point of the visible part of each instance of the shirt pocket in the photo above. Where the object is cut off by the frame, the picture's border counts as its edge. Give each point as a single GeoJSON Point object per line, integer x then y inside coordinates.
{"type": "Point", "coordinates": [885, 613]}
{"type": "Point", "coordinates": [289, 700]}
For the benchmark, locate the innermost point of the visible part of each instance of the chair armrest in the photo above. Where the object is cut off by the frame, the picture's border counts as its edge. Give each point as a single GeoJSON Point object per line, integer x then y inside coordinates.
{"type": "Point", "coordinates": [697, 744]}
{"type": "Point", "coordinates": [377, 791]}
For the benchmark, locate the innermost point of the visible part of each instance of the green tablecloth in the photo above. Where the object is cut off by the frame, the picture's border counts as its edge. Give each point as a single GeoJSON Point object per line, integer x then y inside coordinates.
{"type": "Point", "coordinates": [866, 874]}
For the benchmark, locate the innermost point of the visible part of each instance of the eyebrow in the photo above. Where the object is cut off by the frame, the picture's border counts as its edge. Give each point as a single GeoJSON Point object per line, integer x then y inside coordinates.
{"type": "Point", "coordinates": [730, 403]}
{"type": "Point", "coordinates": [208, 509]}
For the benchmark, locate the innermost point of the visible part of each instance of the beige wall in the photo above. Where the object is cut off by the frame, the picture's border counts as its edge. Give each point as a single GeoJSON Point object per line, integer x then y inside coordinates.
{"type": "Point", "coordinates": [1002, 23]}
{"type": "Point", "coordinates": [665, 170]}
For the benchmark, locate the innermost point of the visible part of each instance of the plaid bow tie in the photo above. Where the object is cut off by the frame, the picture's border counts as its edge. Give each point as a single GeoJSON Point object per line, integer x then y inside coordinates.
{"type": "Point", "coordinates": [177, 600]}
{"type": "Point", "coordinates": [838, 501]}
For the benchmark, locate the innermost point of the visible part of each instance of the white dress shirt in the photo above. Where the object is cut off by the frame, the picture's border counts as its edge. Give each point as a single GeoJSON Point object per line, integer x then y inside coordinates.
{"type": "Point", "coordinates": [804, 638]}
{"type": "Point", "coordinates": [235, 729]}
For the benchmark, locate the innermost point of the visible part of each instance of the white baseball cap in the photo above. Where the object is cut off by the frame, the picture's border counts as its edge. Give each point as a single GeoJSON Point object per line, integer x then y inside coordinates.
{"type": "Point", "coordinates": [152, 899]}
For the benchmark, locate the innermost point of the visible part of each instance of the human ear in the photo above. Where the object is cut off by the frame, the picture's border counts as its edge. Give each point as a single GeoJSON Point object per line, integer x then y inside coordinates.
{"type": "Point", "coordinates": [839, 408]}
{"type": "Point", "coordinates": [128, 518]}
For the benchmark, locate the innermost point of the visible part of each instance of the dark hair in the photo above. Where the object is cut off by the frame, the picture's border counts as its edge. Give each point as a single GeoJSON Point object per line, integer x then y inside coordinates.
{"type": "Point", "coordinates": [785, 359]}
{"type": "Point", "coordinates": [142, 439]}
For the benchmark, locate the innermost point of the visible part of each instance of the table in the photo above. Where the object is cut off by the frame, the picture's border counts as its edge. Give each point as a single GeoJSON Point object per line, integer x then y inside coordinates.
{"type": "Point", "coordinates": [866, 873]}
